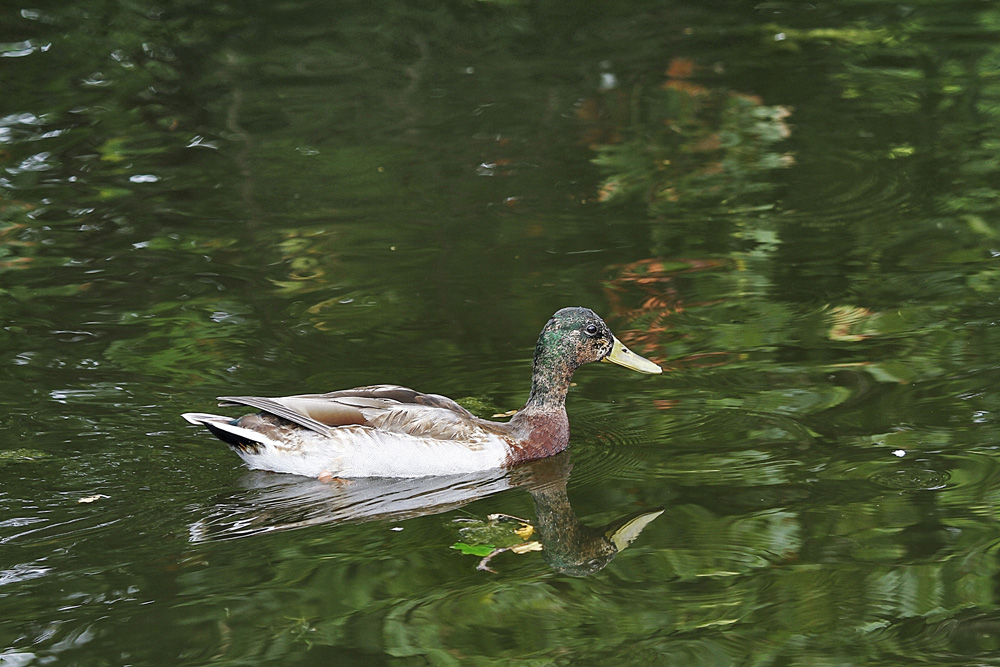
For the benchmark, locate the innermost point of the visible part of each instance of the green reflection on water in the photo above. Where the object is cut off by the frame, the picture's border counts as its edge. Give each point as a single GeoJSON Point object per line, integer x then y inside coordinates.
{"type": "Point", "coordinates": [791, 207]}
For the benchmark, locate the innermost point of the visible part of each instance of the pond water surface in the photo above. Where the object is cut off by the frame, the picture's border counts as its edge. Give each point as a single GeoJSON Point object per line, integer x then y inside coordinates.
{"type": "Point", "coordinates": [791, 207]}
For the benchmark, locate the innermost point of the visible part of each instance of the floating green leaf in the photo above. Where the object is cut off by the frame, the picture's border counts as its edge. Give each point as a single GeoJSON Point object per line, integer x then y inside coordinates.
{"type": "Point", "coordinates": [480, 550]}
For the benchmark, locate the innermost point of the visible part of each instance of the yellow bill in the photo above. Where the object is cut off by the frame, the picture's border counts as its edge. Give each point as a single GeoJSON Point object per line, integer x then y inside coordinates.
{"type": "Point", "coordinates": [623, 356]}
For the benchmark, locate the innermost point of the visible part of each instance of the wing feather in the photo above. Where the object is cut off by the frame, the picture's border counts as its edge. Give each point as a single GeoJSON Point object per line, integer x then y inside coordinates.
{"type": "Point", "coordinates": [276, 408]}
{"type": "Point", "coordinates": [386, 407]}
{"type": "Point", "coordinates": [399, 394]}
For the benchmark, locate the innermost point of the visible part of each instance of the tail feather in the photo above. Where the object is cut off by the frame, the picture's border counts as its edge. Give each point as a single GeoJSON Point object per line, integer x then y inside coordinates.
{"type": "Point", "coordinates": [223, 428]}
{"type": "Point", "coordinates": [199, 418]}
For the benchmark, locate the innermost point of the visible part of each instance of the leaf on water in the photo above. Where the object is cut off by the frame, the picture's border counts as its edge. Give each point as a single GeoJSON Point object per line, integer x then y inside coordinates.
{"type": "Point", "coordinates": [525, 531]}
{"type": "Point", "coordinates": [474, 549]}
{"type": "Point", "coordinates": [526, 547]}
{"type": "Point", "coordinates": [499, 533]}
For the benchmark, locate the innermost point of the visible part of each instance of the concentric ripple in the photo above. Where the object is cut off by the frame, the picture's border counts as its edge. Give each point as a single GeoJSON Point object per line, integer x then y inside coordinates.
{"type": "Point", "coordinates": [860, 185]}
{"type": "Point", "coordinates": [910, 471]}
{"type": "Point", "coordinates": [912, 478]}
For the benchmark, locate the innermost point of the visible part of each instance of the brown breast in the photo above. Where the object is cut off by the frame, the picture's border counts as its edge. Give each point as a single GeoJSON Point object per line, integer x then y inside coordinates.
{"type": "Point", "coordinates": [537, 435]}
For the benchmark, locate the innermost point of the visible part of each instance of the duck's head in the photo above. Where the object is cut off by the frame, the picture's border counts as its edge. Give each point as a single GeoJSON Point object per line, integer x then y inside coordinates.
{"type": "Point", "coordinates": [576, 336]}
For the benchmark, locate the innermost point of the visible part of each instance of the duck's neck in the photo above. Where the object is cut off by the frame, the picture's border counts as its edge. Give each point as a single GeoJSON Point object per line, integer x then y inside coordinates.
{"type": "Point", "coordinates": [551, 373]}
{"type": "Point", "coordinates": [542, 425]}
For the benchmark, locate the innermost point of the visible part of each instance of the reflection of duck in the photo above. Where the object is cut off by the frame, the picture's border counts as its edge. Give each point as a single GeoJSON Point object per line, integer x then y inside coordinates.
{"type": "Point", "coordinates": [578, 550]}
{"type": "Point", "coordinates": [569, 546]}
{"type": "Point", "coordinates": [277, 503]}
{"type": "Point", "coordinates": [389, 431]}
{"type": "Point", "coordinates": [274, 503]}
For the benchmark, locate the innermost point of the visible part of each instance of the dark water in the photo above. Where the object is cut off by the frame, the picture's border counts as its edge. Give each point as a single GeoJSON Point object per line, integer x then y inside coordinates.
{"type": "Point", "coordinates": [791, 206]}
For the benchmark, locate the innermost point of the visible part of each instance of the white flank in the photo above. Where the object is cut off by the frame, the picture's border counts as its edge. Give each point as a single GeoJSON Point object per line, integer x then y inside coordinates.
{"type": "Point", "coordinates": [362, 451]}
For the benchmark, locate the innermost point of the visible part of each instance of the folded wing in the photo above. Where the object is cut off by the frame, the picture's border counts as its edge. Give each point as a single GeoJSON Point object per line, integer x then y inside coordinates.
{"type": "Point", "coordinates": [386, 407]}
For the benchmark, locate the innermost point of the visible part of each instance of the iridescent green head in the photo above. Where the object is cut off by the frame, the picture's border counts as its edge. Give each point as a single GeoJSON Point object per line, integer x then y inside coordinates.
{"type": "Point", "coordinates": [576, 336]}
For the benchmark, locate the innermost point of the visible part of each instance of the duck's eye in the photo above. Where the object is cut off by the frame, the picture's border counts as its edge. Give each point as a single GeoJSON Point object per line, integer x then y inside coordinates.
{"type": "Point", "coordinates": [591, 329]}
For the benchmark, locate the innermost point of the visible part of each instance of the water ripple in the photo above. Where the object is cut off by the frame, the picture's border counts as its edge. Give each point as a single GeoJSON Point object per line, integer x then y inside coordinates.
{"type": "Point", "coordinates": [864, 186]}
{"type": "Point", "coordinates": [902, 471]}
{"type": "Point", "coordinates": [911, 478]}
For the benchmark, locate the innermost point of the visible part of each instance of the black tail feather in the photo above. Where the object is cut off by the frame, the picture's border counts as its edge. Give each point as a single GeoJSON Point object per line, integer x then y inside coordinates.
{"type": "Point", "coordinates": [235, 441]}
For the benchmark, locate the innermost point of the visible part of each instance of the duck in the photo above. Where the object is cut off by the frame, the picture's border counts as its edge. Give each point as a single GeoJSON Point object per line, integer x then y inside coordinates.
{"type": "Point", "coordinates": [392, 431]}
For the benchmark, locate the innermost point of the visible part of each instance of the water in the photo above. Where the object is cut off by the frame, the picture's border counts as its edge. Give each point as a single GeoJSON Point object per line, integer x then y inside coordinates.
{"type": "Point", "coordinates": [790, 206]}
